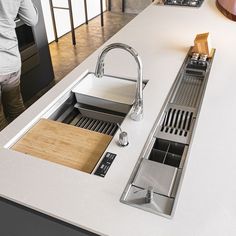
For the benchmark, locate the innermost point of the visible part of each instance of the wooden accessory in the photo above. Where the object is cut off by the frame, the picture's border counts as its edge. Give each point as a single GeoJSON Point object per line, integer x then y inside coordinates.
{"type": "Point", "coordinates": [202, 45]}
{"type": "Point", "coordinates": [64, 144]}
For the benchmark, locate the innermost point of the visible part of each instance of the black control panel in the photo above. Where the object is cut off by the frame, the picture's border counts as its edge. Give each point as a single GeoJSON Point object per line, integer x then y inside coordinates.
{"type": "Point", "coordinates": [105, 164]}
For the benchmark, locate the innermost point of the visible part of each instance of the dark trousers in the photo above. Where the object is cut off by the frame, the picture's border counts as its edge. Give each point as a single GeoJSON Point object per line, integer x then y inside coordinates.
{"type": "Point", "coordinates": [11, 102]}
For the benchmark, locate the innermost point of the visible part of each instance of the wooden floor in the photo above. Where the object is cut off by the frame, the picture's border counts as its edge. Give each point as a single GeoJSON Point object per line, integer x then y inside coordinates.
{"type": "Point", "coordinates": [65, 56]}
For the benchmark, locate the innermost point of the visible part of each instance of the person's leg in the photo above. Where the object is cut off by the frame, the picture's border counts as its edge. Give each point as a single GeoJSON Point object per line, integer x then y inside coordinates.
{"type": "Point", "coordinates": [3, 121]}
{"type": "Point", "coordinates": [11, 96]}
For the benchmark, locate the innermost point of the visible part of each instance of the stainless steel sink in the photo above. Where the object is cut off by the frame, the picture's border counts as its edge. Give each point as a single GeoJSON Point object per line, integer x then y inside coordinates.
{"type": "Point", "coordinates": [88, 117]}
{"type": "Point", "coordinates": [92, 113]}
{"type": "Point", "coordinates": [98, 106]}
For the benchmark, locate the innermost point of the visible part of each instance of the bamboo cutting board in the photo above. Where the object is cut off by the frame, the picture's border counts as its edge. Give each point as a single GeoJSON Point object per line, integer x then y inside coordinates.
{"type": "Point", "coordinates": [64, 144]}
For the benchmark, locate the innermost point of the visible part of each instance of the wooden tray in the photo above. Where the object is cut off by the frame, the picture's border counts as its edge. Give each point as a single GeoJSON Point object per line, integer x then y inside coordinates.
{"type": "Point", "coordinates": [64, 144]}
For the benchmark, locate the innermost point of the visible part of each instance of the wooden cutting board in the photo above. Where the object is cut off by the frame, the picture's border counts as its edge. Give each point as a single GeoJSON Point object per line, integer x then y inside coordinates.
{"type": "Point", "coordinates": [64, 144]}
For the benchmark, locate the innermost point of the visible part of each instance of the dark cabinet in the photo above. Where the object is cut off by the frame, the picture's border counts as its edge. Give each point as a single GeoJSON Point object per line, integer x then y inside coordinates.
{"type": "Point", "coordinates": [37, 71]}
{"type": "Point", "coordinates": [16, 220]}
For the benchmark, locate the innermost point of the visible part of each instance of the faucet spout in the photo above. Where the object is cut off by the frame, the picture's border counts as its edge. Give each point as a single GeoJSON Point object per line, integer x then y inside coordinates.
{"type": "Point", "coordinates": [137, 112]}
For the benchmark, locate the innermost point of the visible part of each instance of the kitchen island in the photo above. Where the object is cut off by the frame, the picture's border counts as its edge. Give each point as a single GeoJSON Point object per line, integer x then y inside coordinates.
{"type": "Point", "coordinates": [206, 206]}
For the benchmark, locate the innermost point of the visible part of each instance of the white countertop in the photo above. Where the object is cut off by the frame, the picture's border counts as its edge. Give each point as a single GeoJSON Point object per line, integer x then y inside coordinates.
{"type": "Point", "coordinates": [206, 205]}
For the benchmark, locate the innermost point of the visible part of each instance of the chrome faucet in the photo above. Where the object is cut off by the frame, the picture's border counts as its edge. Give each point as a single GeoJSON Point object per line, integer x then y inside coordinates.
{"type": "Point", "coordinates": [137, 112]}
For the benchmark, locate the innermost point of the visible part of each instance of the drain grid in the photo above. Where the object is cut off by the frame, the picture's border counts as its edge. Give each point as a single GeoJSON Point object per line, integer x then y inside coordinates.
{"type": "Point", "coordinates": [177, 123]}
{"type": "Point", "coordinates": [181, 110]}
{"type": "Point", "coordinates": [188, 91]}
{"type": "Point", "coordinates": [99, 126]}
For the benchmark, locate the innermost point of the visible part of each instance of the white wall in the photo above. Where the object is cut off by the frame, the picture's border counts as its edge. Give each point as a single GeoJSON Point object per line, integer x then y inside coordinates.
{"type": "Point", "coordinates": [62, 16]}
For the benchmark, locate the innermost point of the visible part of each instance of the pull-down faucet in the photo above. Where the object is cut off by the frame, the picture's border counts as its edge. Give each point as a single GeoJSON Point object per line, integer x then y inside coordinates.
{"type": "Point", "coordinates": [137, 112]}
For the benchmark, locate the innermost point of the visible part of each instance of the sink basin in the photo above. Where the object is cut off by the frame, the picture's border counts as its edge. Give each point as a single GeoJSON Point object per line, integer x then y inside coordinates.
{"type": "Point", "coordinates": [80, 124]}
{"type": "Point", "coordinates": [88, 117]}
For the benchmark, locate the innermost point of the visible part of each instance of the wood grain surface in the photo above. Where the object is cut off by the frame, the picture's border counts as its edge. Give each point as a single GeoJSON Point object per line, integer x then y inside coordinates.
{"type": "Point", "coordinates": [64, 144]}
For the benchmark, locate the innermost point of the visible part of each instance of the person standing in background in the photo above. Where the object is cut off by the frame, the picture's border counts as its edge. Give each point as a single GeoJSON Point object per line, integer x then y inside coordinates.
{"type": "Point", "coordinates": [11, 102]}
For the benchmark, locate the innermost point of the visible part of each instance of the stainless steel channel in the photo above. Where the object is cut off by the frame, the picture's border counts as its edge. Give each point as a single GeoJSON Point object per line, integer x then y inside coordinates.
{"type": "Point", "coordinates": [170, 138]}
